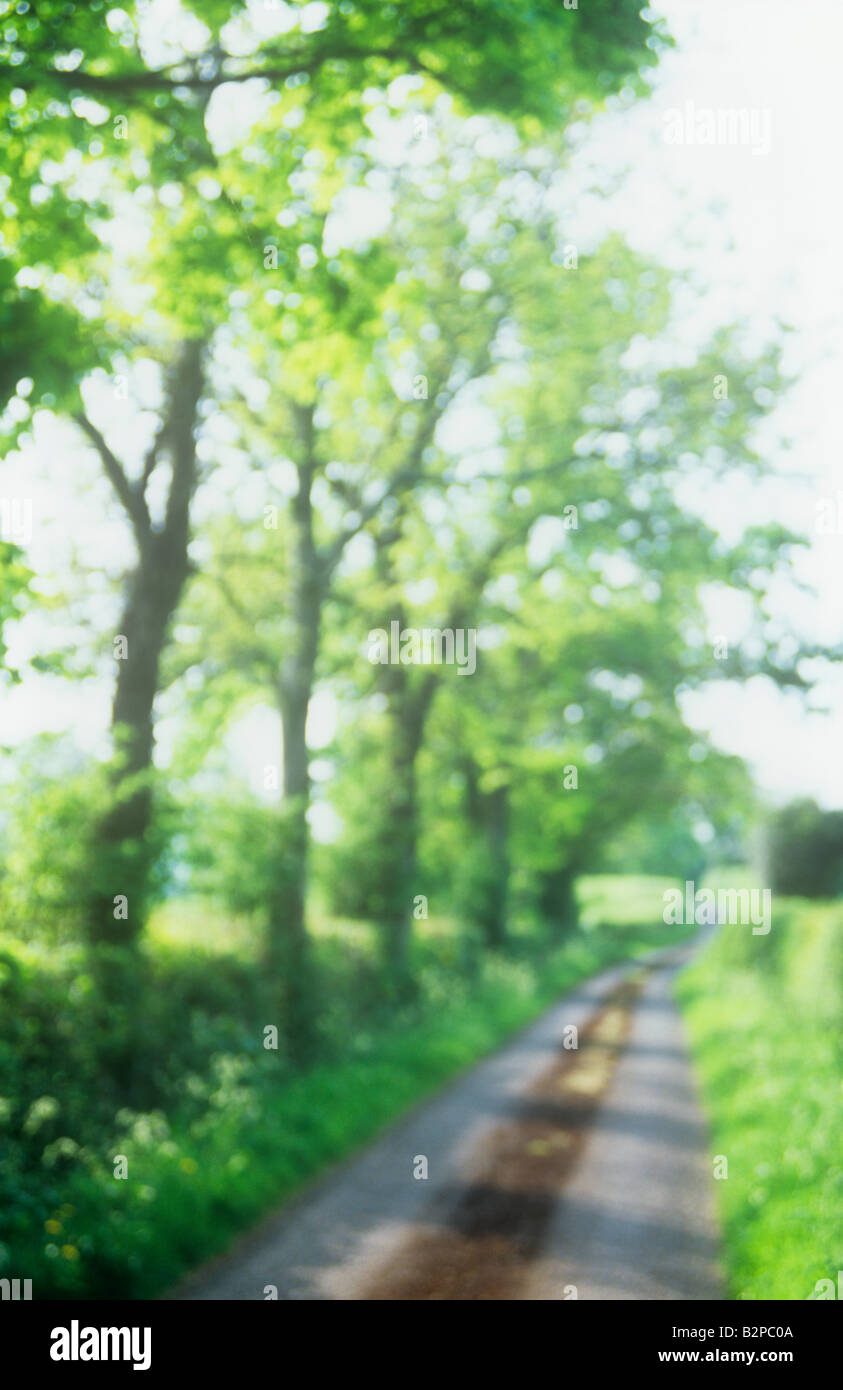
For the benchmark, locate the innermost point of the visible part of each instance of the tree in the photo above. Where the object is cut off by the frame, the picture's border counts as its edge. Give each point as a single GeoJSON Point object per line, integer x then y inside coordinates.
{"type": "Point", "coordinates": [507, 58]}
{"type": "Point", "coordinates": [577, 714]}
{"type": "Point", "coordinates": [361, 419]}
{"type": "Point", "coordinates": [75, 84]}
{"type": "Point", "coordinates": [153, 592]}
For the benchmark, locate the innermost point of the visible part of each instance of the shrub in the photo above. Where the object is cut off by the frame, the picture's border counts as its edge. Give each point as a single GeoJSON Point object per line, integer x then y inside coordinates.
{"type": "Point", "coordinates": [803, 851]}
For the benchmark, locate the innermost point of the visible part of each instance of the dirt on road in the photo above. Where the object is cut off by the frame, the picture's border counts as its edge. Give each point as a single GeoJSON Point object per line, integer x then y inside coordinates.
{"type": "Point", "coordinates": [486, 1237]}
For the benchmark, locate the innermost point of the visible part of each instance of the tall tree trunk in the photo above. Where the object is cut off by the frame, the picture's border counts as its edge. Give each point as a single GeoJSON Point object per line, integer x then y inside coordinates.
{"type": "Point", "coordinates": [123, 851]}
{"type": "Point", "coordinates": [123, 846]}
{"type": "Point", "coordinates": [288, 955]}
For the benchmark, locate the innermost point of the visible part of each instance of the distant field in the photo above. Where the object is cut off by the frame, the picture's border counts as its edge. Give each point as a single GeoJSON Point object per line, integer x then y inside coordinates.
{"type": "Point", "coordinates": [623, 899]}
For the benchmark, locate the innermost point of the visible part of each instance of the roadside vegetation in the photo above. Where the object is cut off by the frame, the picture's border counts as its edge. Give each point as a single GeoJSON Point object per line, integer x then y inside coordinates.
{"type": "Point", "coordinates": [764, 1016]}
{"type": "Point", "coordinates": [220, 1126]}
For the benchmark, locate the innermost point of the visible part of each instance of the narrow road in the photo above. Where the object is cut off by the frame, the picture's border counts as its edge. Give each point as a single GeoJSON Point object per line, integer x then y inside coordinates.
{"type": "Point", "coordinates": [553, 1173]}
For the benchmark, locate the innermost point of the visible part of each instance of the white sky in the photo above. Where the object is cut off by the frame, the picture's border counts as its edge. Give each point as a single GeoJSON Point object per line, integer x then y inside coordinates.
{"type": "Point", "coordinates": [761, 232]}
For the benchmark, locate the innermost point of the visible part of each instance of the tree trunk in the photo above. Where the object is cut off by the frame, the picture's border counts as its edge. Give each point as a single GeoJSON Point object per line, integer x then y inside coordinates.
{"type": "Point", "coordinates": [557, 900]}
{"type": "Point", "coordinates": [408, 711]}
{"type": "Point", "coordinates": [123, 851]}
{"type": "Point", "coordinates": [488, 814]}
{"type": "Point", "coordinates": [402, 830]}
{"type": "Point", "coordinates": [288, 956]}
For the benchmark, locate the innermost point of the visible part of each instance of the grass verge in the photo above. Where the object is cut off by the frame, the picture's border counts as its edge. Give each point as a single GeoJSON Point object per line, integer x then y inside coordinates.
{"type": "Point", "coordinates": [764, 1019]}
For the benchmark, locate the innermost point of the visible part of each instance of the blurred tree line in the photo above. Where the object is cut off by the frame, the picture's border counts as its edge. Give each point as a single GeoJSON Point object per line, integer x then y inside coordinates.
{"type": "Point", "coordinates": [342, 366]}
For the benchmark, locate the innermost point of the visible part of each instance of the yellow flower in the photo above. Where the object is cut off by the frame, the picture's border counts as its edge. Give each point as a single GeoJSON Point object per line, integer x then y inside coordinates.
{"type": "Point", "coordinates": [52, 1227]}
{"type": "Point", "coordinates": [70, 1252]}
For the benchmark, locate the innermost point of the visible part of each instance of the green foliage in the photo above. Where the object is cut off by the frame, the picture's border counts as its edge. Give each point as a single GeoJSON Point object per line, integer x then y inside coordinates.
{"type": "Point", "coordinates": [231, 849]}
{"type": "Point", "coordinates": [764, 1014]}
{"type": "Point", "coordinates": [47, 838]}
{"type": "Point", "coordinates": [53, 856]}
{"type": "Point", "coordinates": [509, 56]}
{"type": "Point", "coordinates": [650, 845]}
{"type": "Point", "coordinates": [14, 583]}
{"type": "Point", "coordinates": [716, 793]}
{"type": "Point", "coordinates": [34, 329]}
{"type": "Point", "coordinates": [70, 74]}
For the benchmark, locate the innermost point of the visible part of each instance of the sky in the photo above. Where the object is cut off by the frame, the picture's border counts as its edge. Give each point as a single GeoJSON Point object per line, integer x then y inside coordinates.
{"type": "Point", "coordinates": [759, 225]}
{"type": "Point", "coordinates": [756, 226]}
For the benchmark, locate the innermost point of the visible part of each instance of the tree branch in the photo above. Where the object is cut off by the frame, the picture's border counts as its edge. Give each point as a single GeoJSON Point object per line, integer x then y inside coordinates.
{"type": "Point", "coordinates": [162, 80]}
{"type": "Point", "coordinates": [130, 496]}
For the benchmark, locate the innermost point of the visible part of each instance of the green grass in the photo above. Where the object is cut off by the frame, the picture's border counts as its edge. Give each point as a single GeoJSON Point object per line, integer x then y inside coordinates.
{"type": "Point", "coordinates": [623, 899]}
{"type": "Point", "coordinates": [239, 1131]}
{"type": "Point", "coordinates": [764, 1017]}
{"type": "Point", "coordinates": [199, 926]}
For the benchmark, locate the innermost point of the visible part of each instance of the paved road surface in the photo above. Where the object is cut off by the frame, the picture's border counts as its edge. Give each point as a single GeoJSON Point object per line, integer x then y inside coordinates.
{"type": "Point", "coordinates": [554, 1173]}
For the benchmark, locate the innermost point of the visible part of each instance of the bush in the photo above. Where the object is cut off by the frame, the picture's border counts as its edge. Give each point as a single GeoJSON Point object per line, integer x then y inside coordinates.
{"type": "Point", "coordinates": [803, 851]}
{"type": "Point", "coordinates": [233, 850]}
{"type": "Point", "coordinates": [48, 835]}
